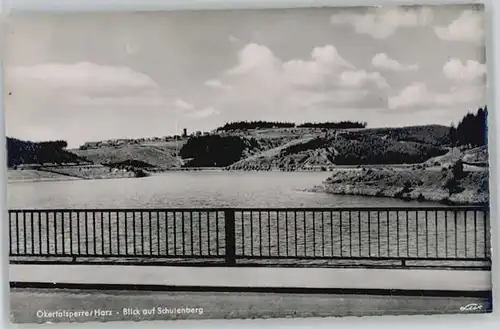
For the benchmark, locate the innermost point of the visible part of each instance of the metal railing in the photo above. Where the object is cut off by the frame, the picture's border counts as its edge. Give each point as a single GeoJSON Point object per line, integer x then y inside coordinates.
{"type": "Point", "coordinates": [238, 236]}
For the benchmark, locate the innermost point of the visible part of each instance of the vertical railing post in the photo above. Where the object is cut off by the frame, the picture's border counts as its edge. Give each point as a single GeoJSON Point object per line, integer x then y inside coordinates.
{"type": "Point", "coordinates": [486, 220]}
{"type": "Point", "coordinates": [230, 237]}
{"type": "Point", "coordinates": [10, 232]}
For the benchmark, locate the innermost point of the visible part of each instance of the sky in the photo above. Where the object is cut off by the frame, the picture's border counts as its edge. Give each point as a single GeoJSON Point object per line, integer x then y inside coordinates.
{"type": "Point", "coordinates": [96, 76]}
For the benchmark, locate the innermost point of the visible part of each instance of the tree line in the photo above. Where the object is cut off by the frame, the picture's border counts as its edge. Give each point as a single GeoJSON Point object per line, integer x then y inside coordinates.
{"type": "Point", "coordinates": [55, 145]}
{"type": "Point", "coordinates": [255, 125]}
{"type": "Point", "coordinates": [333, 125]}
{"type": "Point", "coordinates": [370, 149]}
{"type": "Point", "coordinates": [276, 124]}
{"type": "Point", "coordinates": [214, 150]}
{"type": "Point", "coordinates": [25, 152]}
{"type": "Point", "coordinates": [471, 130]}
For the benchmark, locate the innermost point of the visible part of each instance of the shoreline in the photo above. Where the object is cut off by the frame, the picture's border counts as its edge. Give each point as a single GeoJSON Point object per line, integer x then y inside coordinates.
{"type": "Point", "coordinates": [423, 196]}
{"type": "Point", "coordinates": [66, 173]}
{"type": "Point", "coordinates": [410, 185]}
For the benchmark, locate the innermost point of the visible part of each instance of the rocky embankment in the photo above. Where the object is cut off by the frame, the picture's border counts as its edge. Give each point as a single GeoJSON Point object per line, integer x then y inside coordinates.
{"type": "Point", "coordinates": [66, 172]}
{"type": "Point", "coordinates": [96, 172]}
{"type": "Point", "coordinates": [444, 186]}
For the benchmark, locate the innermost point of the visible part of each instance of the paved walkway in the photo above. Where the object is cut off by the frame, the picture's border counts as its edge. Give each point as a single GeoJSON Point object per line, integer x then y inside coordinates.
{"type": "Point", "coordinates": [270, 277]}
{"type": "Point", "coordinates": [26, 305]}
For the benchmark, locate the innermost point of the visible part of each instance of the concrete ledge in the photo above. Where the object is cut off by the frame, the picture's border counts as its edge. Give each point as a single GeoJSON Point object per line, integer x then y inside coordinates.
{"type": "Point", "coordinates": [239, 290]}
{"type": "Point", "coordinates": [263, 278]}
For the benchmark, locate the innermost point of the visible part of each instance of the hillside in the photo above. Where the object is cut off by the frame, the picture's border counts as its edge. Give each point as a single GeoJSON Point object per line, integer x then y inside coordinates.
{"type": "Point", "coordinates": [196, 151]}
{"type": "Point", "coordinates": [263, 145]}
{"type": "Point", "coordinates": [327, 147]}
{"type": "Point", "coordinates": [476, 156]}
{"type": "Point", "coordinates": [290, 155]}
{"type": "Point", "coordinates": [225, 151]}
{"type": "Point", "coordinates": [160, 156]}
{"type": "Point", "coordinates": [429, 134]}
{"type": "Point", "coordinates": [285, 147]}
{"type": "Point", "coordinates": [47, 161]}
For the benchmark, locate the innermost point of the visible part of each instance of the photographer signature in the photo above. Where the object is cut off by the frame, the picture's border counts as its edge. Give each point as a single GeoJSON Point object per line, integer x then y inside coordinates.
{"type": "Point", "coordinates": [471, 307]}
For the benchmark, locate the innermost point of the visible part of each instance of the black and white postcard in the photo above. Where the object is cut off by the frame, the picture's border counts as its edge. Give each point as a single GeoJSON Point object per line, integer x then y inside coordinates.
{"type": "Point", "coordinates": [218, 164]}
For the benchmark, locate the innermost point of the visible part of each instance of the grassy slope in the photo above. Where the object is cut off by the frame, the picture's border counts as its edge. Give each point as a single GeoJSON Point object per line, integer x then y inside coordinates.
{"type": "Point", "coordinates": [160, 155]}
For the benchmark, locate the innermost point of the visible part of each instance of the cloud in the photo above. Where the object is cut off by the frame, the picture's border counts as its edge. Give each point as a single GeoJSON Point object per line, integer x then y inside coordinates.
{"type": "Point", "coordinates": [217, 84]}
{"type": "Point", "coordinates": [383, 61]}
{"type": "Point", "coordinates": [86, 85]}
{"type": "Point", "coordinates": [189, 110]}
{"type": "Point", "coordinates": [204, 113]}
{"type": "Point", "coordinates": [329, 55]}
{"type": "Point", "coordinates": [254, 57]}
{"type": "Point", "coordinates": [85, 101]}
{"type": "Point", "coordinates": [468, 27]}
{"type": "Point", "coordinates": [267, 87]}
{"type": "Point", "coordinates": [306, 101]}
{"type": "Point", "coordinates": [470, 71]}
{"type": "Point", "coordinates": [233, 39]}
{"type": "Point", "coordinates": [84, 79]}
{"type": "Point", "coordinates": [324, 62]}
{"type": "Point", "coordinates": [382, 22]}
{"type": "Point", "coordinates": [417, 95]}
{"type": "Point", "coordinates": [412, 95]}
{"type": "Point", "coordinates": [325, 68]}
{"type": "Point", "coordinates": [142, 101]}
{"type": "Point", "coordinates": [130, 48]}
{"type": "Point", "coordinates": [183, 105]}
{"type": "Point", "coordinates": [361, 78]}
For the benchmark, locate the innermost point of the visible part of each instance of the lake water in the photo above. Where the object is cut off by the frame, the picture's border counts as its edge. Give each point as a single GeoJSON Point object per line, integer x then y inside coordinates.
{"type": "Point", "coordinates": [190, 190]}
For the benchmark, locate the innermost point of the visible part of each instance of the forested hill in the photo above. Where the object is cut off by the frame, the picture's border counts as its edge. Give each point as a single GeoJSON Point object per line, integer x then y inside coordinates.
{"type": "Point", "coordinates": [264, 145]}
{"type": "Point", "coordinates": [25, 152]}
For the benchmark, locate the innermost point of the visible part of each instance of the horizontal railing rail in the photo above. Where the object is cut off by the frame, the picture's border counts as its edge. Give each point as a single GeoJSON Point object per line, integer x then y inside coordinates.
{"type": "Point", "coordinates": [272, 236]}
{"type": "Point", "coordinates": [179, 209]}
